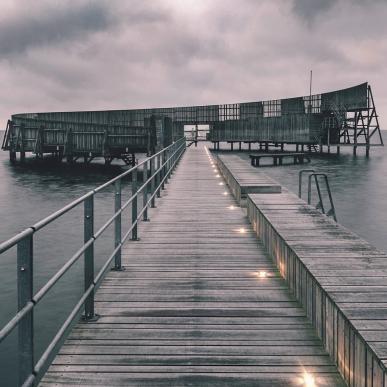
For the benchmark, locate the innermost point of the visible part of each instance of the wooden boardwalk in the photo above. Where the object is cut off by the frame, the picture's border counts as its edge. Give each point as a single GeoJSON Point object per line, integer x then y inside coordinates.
{"type": "Point", "coordinates": [194, 306]}
{"type": "Point", "coordinates": [339, 278]}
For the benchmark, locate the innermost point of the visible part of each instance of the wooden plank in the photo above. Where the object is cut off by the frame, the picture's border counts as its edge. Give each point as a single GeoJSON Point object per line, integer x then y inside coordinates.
{"type": "Point", "coordinates": [338, 277]}
{"type": "Point", "coordinates": [192, 307]}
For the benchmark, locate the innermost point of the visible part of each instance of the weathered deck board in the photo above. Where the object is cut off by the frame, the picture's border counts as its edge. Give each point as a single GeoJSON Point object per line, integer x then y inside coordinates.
{"type": "Point", "coordinates": [339, 278]}
{"type": "Point", "coordinates": [243, 179]}
{"type": "Point", "coordinates": [191, 309]}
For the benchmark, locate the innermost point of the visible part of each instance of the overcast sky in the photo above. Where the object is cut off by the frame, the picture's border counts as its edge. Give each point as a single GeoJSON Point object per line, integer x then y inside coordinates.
{"type": "Point", "coordinates": [114, 54]}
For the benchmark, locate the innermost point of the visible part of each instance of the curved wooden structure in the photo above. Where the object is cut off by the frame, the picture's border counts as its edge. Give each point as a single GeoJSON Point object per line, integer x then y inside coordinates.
{"type": "Point", "coordinates": [344, 117]}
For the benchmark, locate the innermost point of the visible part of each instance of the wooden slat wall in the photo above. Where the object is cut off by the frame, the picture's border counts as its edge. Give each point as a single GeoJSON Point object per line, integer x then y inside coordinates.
{"type": "Point", "coordinates": [289, 128]}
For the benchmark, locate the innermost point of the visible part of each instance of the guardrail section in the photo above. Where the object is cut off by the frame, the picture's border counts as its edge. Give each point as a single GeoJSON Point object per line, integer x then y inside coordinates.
{"type": "Point", "coordinates": [155, 171]}
{"type": "Point", "coordinates": [339, 278]}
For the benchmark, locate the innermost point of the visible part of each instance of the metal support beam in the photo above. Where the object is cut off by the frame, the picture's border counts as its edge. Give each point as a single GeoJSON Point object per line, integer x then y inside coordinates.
{"type": "Point", "coordinates": [25, 294]}
{"type": "Point", "coordinates": [134, 207]}
{"type": "Point", "coordinates": [89, 257]}
{"type": "Point", "coordinates": [117, 225]}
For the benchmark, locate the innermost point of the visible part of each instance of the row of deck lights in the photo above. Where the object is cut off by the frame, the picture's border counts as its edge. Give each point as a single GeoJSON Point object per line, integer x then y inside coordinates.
{"type": "Point", "coordinates": [307, 379]}
{"type": "Point", "coordinates": [225, 193]}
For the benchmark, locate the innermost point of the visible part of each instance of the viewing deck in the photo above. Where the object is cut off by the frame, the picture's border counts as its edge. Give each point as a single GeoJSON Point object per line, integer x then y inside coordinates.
{"type": "Point", "coordinates": [200, 303]}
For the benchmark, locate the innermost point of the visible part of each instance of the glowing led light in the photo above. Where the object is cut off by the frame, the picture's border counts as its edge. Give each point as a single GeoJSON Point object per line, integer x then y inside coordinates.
{"type": "Point", "coordinates": [309, 380]}
{"type": "Point", "coordinates": [262, 274]}
{"type": "Point", "coordinates": [225, 193]}
{"type": "Point", "coordinates": [231, 207]}
{"type": "Point", "coordinates": [221, 183]}
{"type": "Point", "coordinates": [217, 176]}
{"type": "Point", "coordinates": [241, 230]}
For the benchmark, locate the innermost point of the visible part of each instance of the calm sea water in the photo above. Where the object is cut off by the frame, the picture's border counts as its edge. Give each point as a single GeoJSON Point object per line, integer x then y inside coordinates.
{"type": "Point", "coordinates": [358, 185]}
{"type": "Point", "coordinates": [29, 193]}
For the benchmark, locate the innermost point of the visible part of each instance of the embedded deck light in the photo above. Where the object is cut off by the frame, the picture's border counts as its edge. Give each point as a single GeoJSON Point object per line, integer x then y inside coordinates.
{"type": "Point", "coordinates": [309, 380]}
{"type": "Point", "coordinates": [221, 183]}
{"type": "Point", "coordinates": [262, 274]}
{"type": "Point", "coordinates": [225, 193]}
{"type": "Point", "coordinates": [231, 207]}
{"type": "Point", "coordinates": [242, 230]}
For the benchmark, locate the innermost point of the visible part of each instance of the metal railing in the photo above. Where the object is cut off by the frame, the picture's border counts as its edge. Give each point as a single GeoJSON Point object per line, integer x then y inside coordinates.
{"type": "Point", "coordinates": [320, 205]}
{"type": "Point", "coordinates": [160, 168]}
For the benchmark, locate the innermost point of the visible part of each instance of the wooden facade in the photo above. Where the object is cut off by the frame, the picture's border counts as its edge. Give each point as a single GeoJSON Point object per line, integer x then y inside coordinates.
{"type": "Point", "coordinates": [343, 117]}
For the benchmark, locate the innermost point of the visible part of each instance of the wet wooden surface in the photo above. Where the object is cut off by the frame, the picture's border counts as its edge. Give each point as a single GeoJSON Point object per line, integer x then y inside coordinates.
{"type": "Point", "coordinates": [242, 178]}
{"type": "Point", "coordinates": [193, 307]}
{"type": "Point", "coordinates": [351, 273]}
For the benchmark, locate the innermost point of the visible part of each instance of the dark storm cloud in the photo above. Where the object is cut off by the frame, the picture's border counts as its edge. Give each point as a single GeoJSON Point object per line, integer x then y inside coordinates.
{"type": "Point", "coordinates": [35, 24]}
{"type": "Point", "coordinates": [309, 9]}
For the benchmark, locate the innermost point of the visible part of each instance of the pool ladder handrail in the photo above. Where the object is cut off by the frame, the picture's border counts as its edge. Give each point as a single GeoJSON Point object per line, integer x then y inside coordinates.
{"type": "Point", "coordinates": [320, 205]}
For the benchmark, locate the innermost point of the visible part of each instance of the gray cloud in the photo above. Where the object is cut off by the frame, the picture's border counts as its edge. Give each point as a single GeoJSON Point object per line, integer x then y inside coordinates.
{"type": "Point", "coordinates": [127, 54]}
{"type": "Point", "coordinates": [51, 25]}
{"type": "Point", "coordinates": [309, 9]}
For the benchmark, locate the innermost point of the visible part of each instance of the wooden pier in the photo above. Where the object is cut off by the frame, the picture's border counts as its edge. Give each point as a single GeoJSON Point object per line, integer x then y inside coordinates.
{"type": "Point", "coordinates": [200, 303]}
{"type": "Point", "coordinates": [213, 294]}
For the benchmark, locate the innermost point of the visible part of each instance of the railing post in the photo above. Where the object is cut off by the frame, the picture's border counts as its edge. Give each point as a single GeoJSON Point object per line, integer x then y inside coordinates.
{"type": "Point", "coordinates": [145, 192]}
{"type": "Point", "coordinates": [310, 189]}
{"type": "Point", "coordinates": [158, 176]}
{"type": "Point", "coordinates": [25, 293]}
{"type": "Point", "coordinates": [134, 206]}
{"type": "Point", "coordinates": [152, 171]}
{"type": "Point", "coordinates": [89, 257]}
{"type": "Point", "coordinates": [166, 166]}
{"type": "Point", "coordinates": [117, 225]}
{"type": "Point", "coordinates": [163, 170]}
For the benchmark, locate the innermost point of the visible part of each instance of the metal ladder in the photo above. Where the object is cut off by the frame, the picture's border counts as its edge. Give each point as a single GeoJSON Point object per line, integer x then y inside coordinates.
{"type": "Point", "coordinates": [320, 205]}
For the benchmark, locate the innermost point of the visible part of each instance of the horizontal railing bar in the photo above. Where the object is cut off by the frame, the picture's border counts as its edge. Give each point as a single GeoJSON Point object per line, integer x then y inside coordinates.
{"type": "Point", "coordinates": [15, 320]}
{"type": "Point", "coordinates": [15, 239]}
{"type": "Point", "coordinates": [37, 226]}
{"type": "Point", "coordinates": [62, 211]}
{"type": "Point", "coordinates": [39, 365]}
{"type": "Point", "coordinates": [107, 224]}
{"type": "Point", "coordinates": [110, 182]}
{"type": "Point", "coordinates": [38, 296]}
{"type": "Point", "coordinates": [179, 149]}
{"type": "Point", "coordinates": [59, 274]}
{"type": "Point", "coordinates": [29, 381]}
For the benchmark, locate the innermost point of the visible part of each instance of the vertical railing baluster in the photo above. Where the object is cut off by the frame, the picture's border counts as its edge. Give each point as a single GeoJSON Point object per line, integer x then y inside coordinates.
{"type": "Point", "coordinates": [89, 256]}
{"type": "Point", "coordinates": [158, 176]}
{"type": "Point", "coordinates": [145, 192]}
{"type": "Point", "coordinates": [25, 293]}
{"type": "Point", "coordinates": [166, 166]}
{"type": "Point", "coordinates": [117, 224]}
{"type": "Point", "coordinates": [152, 171]}
{"type": "Point", "coordinates": [134, 206]}
{"type": "Point", "coordinates": [163, 170]}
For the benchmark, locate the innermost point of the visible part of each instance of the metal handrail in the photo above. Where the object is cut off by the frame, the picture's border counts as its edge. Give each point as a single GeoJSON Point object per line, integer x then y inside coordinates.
{"type": "Point", "coordinates": [153, 182]}
{"type": "Point", "coordinates": [332, 211]}
{"type": "Point", "coordinates": [320, 204]}
{"type": "Point", "coordinates": [300, 174]}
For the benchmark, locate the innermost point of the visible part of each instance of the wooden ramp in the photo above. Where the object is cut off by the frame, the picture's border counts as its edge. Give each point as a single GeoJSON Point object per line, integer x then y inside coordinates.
{"type": "Point", "coordinates": [194, 307]}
